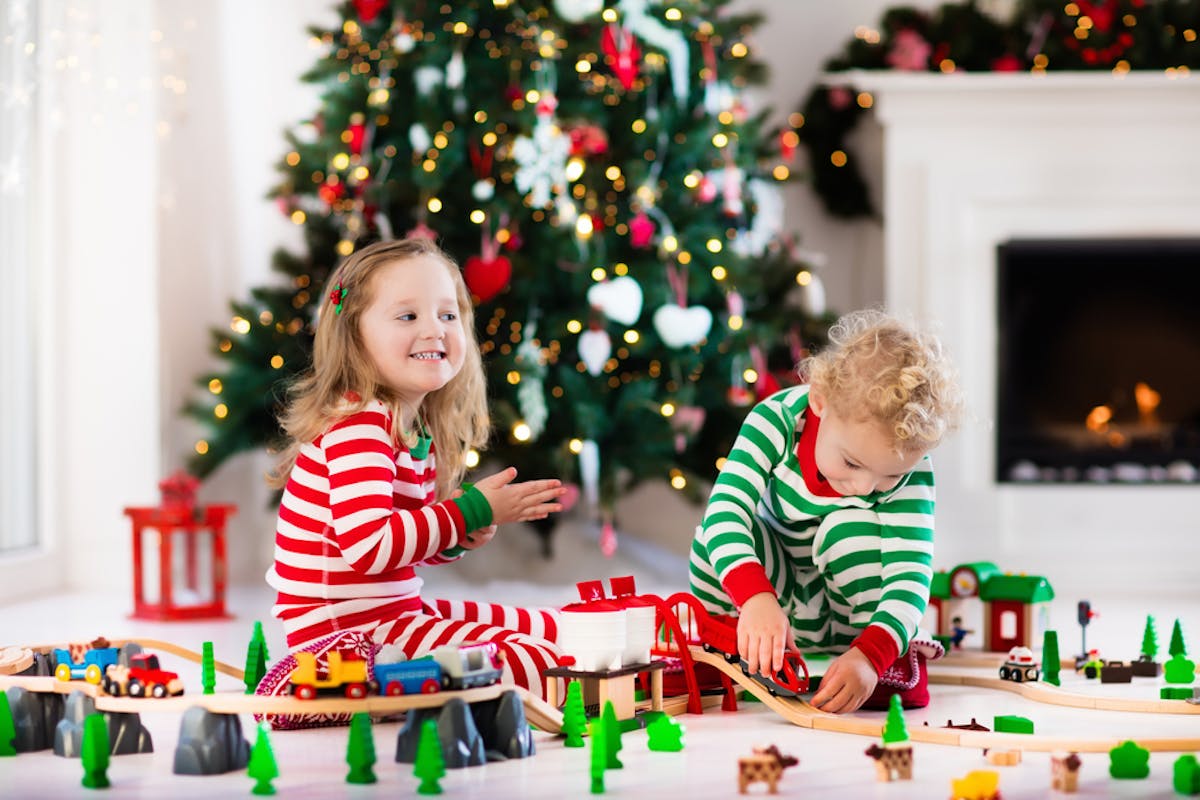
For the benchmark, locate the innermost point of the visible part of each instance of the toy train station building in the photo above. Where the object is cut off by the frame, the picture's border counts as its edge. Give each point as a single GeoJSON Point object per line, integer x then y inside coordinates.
{"type": "Point", "coordinates": [1016, 608]}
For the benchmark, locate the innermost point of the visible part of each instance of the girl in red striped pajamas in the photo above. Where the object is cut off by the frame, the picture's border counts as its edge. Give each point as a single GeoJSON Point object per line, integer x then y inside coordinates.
{"type": "Point", "coordinates": [372, 480]}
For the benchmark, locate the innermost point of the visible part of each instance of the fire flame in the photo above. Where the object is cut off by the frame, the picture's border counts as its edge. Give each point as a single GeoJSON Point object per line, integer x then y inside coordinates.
{"type": "Point", "coordinates": [1147, 402]}
{"type": "Point", "coordinates": [1098, 419]}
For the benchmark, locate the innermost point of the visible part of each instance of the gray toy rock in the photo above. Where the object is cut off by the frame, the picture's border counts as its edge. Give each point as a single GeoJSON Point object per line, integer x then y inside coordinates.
{"type": "Point", "coordinates": [462, 746]}
{"type": "Point", "coordinates": [35, 715]}
{"type": "Point", "coordinates": [210, 744]}
{"type": "Point", "coordinates": [126, 734]}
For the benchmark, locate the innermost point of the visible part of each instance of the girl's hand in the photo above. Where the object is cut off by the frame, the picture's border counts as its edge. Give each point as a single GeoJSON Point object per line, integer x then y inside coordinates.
{"type": "Point", "coordinates": [763, 632]}
{"type": "Point", "coordinates": [476, 539]}
{"type": "Point", "coordinates": [520, 502]}
{"type": "Point", "coordinates": [847, 684]}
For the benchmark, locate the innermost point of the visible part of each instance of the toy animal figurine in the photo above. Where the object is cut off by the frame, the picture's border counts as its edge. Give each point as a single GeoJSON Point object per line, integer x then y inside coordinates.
{"type": "Point", "coordinates": [766, 765]}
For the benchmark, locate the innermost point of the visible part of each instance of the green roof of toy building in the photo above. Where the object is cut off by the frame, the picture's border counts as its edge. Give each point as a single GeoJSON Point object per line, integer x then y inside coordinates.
{"type": "Point", "coordinates": [939, 585]}
{"type": "Point", "coordinates": [1023, 588]}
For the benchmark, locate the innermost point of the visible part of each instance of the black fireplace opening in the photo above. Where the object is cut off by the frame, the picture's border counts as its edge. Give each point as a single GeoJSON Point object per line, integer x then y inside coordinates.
{"type": "Point", "coordinates": [1098, 361]}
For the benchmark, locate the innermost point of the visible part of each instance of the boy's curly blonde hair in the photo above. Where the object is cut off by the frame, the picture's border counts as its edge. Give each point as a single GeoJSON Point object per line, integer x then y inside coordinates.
{"type": "Point", "coordinates": [878, 368]}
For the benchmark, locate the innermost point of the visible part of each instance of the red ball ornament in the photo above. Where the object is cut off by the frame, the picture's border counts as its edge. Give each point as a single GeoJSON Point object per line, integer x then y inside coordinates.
{"type": "Point", "coordinates": [486, 278]}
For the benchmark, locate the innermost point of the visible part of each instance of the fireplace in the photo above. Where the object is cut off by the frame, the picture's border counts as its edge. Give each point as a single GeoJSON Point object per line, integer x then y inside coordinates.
{"type": "Point", "coordinates": [1098, 359]}
{"type": "Point", "coordinates": [972, 162]}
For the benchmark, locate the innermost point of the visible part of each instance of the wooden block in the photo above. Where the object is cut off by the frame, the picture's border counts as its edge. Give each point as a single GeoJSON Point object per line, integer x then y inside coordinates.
{"type": "Point", "coordinates": [1004, 758]}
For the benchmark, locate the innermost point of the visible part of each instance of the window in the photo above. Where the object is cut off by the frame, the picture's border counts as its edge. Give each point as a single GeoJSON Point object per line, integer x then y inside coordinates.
{"type": "Point", "coordinates": [1008, 625]}
{"type": "Point", "coordinates": [18, 124]}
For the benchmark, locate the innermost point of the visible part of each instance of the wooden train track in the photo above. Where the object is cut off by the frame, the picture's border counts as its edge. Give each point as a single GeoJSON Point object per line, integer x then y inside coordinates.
{"type": "Point", "coordinates": [1040, 692]}
{"type": "Point", "coordinates": [538, 712]}
{"type": "Point", "coordinates": [801, 713]}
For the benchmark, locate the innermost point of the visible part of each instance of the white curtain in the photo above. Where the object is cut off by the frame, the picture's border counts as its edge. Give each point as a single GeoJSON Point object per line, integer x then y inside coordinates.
{"type": "Point", "coordinates": [18, 133]}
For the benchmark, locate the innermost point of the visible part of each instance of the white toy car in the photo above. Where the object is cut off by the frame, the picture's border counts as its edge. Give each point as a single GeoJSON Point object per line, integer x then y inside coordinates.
{"type": "Point", "coordinates": [1020, 666]}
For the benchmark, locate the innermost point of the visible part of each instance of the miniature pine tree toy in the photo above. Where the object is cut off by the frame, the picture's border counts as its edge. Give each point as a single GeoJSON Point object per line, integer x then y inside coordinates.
{"type": "Point", "coordinates": [612, 730]}
{"type": "Point", "coordinates": [664, 735]}
{"type": "Point", "coordinates": [8, 729]}
{"type": "Point", "coordinates": [894, 729]}
{"type": "Point", "coordinates": [360, 750]}
{"type": "Point", "coordinates": [1149, 640]}
{"type": "Point", "coordinates": [1144, 666]}
{"type": "Point", "coordinates": [94, 751]}
{"type": "Point", "coordinates": [1177, 647]}
{"type": "Point", "coordinates": [1180, 669]}
{"type": "Point", "coordinates": [262, 766]}
{"type": "Point", "coordinates": [208, 668]}
{"type": "Point", "coordinates": [256, 659]}
{"type": "Point", "coordinates": [1050, 659]}
{"type": "Point", "coordinates": [574, 716]}
{"type": "Point", "coordinates": [429, 765]}
{"type": "Point", "coordinates": [261, 638]}
{"type": "Point", "coordinates": [599, 759]}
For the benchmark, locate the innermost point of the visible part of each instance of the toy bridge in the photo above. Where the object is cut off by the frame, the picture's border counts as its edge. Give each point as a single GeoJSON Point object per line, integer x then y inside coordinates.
{"type": "Point", "coordinates": [537, 711]}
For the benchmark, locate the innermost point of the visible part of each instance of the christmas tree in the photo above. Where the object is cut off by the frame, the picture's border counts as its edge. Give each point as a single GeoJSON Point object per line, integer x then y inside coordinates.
{"type": "Point", "coordinates": [262, 766]}
{"type": "Point", "coordinates": [574, 717]}
{"type": "Point", "coordinates": [614, 207]}
{"type": "Point", "coordinates": [429, 765]}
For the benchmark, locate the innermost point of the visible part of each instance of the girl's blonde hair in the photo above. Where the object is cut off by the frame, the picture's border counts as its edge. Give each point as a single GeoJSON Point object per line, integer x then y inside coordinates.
{"type": "Point", "coordinates": [878, 368]}
{"type": "Point", "coordinates": [343, 379]}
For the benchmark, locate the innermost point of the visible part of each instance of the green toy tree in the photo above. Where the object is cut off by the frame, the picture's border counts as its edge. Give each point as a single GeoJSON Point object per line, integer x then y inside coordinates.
{"type": "Point", "coordinates": [664, 735]}
{"type": "Point", "coordinates": [208, 668]}
{"type": "Point", "coordinates": [612, 730]}
{"type": "Point", "coordinates": [256, 659]}
{"type": "Point", "coordinates": [1179, 669]}
{"type": "Point", "coordinates": [574, 716]}
{"type": "Point", "coordinates": [1129, 761]}
{"type": "Point", "coordinates": [615, 208]}
{"type": "Point", "coordinates": [1177, 647]}
{"type": "Point", "coordinates": [894, 729]}
{"type": "Point", "coordinates": [1051, 663]}
{"type": "Point", "coordinates": [360, 749]}
{"type": "Point", "coordinates": [429, 765]}
{"type": "Point", "coordinates": [262, 767]}
{"type": "Point", "coordinates": [1186, 775]}
{"type": "Point", "coordinates": [599, 754]}
{"type": "Point", "coordinates": [8, 728]}
{"type": "Point", "coordinates": [1149, 640]}
{"type": "Point", "coordinates": [94, 750]}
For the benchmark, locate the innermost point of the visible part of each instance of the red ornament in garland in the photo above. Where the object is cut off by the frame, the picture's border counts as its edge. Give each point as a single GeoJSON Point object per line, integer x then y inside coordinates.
{"type": "Point", "coordinates": [488, 273]}
{"type": "Point", "coordinates": [356, 134]}
{"type": "Point", "coordinates": [487, 277]}
{"type": "Point", "coordinates": [620, 45]}
{"type": "Point", "coordinates": [331, 192]}
{"type": "Point", "coordinates": [368, 10]}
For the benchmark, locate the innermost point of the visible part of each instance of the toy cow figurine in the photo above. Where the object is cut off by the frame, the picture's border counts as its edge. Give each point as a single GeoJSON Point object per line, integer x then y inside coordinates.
{"type": "Point", "coordinates": [766, 765]}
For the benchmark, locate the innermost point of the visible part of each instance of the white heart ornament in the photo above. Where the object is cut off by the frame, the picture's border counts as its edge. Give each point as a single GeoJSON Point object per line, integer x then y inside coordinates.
{"type": "Point", "coordinates": [620, 299]}
{"type": "Point", "coordinates": [682, 327]}
{"type": "Point", "coordinates": [594, 348]}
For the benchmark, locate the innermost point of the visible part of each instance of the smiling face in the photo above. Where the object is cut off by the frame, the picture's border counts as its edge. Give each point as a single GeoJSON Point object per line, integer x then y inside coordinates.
{"type": "Point", "coordinates": [857, 457]}
{"type": "Point", "coordinates": [412, 330]}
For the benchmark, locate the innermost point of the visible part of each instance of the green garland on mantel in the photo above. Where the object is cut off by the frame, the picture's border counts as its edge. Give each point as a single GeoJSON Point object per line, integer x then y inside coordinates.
{"type": "Point", "coordinates": [983, 36]}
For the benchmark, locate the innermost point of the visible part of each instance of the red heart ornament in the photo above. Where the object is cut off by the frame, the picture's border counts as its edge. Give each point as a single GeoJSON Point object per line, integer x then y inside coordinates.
{"type": "Point", "coordinates": [486, 278]}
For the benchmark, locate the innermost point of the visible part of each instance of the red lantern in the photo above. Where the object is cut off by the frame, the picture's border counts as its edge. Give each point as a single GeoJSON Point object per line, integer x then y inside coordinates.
{"type": "Point", "coordinates": [200, 531]}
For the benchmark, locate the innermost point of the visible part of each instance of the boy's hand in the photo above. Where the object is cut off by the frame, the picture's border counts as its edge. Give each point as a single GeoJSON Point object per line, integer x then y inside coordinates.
{"type": "Point", "coordinates": [476, 539]}
{"type": "Point", "coordinates": [520, 502]}
{"type": "Point", "coordinates": [847, 684]}
{"type": "Point", "coordinates": [763, 632]}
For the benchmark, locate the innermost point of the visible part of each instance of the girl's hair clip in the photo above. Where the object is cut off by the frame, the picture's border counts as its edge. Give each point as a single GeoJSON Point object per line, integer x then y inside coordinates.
{"type": "Point", "coordinates": [337, 297]}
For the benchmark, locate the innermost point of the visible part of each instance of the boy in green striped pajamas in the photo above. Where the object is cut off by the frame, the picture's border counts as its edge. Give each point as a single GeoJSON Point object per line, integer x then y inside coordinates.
{"type": "Point", "coordinates": [819, 530]}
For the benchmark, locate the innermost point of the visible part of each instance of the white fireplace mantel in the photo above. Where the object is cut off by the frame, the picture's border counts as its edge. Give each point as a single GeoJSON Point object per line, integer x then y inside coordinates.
{"type": "Point", "coordinates": [972, 160]}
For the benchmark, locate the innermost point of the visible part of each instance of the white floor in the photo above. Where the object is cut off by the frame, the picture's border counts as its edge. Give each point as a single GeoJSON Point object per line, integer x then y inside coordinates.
{"type": "Point", "coordinates": [831, 765]}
